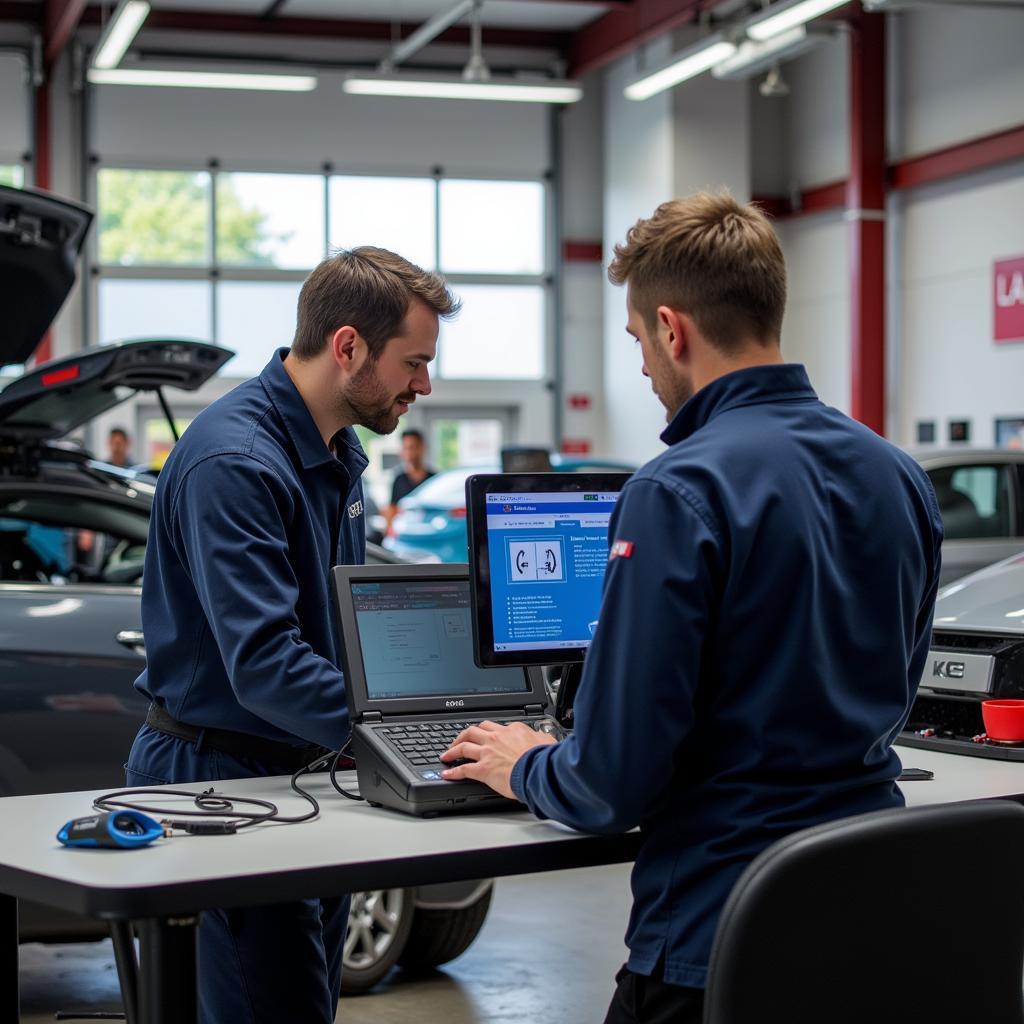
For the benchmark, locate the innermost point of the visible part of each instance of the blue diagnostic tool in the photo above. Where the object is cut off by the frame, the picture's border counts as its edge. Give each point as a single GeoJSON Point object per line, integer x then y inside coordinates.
{"type": "Point", "coordinates": [115, 829]}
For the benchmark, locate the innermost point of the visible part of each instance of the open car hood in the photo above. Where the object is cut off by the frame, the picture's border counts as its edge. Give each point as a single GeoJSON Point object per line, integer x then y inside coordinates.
{"type": "Point", "coordinates": [40, 239]}
{"type": "Point", "coordinates": [65, 393]}
{"type": "Point", "coordinates": [990, 600]}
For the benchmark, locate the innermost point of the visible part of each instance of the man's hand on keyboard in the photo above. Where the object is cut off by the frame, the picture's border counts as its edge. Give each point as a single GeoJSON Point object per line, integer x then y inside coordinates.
{"type": "Point", "coordinates": [490, 752]}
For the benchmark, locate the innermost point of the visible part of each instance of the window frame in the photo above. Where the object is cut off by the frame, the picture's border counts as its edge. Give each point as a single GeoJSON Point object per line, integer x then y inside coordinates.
{"type": "Point", "coordinates": [215, 272]}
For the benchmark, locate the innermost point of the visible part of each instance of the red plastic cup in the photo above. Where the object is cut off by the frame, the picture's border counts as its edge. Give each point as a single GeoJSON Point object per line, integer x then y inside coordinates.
{"type": "Point", "coordinates": [1004, 719]}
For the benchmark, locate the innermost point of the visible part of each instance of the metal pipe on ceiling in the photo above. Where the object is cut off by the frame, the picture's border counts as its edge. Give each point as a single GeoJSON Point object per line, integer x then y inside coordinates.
{"type": "Point", "coordinates": [426, 33]}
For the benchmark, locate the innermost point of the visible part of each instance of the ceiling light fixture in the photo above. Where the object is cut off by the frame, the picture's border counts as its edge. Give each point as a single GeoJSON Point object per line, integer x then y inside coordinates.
{"type": "Point", "coordinates": [680, 67]}
{"type": "Point", "coordinates": [202, 79]}
{"type": "Point", "coordinates": [119, 33]}
{"type": "Point", "coordinates": [786, 15]}
{"type": "Point", "coordinates": [475, 82]}
{"type": "Point", "coordinates": [751, 58]}
{"type": "Point", "coordinates": [445, 87]}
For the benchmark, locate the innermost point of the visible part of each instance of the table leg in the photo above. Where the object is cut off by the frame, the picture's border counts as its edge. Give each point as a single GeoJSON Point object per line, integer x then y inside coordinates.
{"type": "Point", "coordinates": [10, 1005]}
{"type": "Point", "coordinates": [168, 986]}
{"type": "Point", "coordinates": [127, 968]}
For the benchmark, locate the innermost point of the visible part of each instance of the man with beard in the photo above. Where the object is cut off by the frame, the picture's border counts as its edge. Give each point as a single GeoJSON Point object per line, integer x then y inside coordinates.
{"type": "Point", "coordinates": [256, 503]}
{"type": "Point", "coordinates": [766, 609]}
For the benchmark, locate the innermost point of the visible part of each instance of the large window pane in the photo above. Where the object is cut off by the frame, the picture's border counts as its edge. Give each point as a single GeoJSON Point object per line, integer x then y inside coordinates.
{"type": "Point", "coordinates": [466, 441]}
{"type": "Point", "coordinates": [140, 309]}
{"type": "Point", "coordinates": [392, 213]}
{"type": "Point", "coordinates": [254, 318]}
{"type": "Point", "coordinates": [270, 220]}
{"type": "Point", "coordinates": [492, 227]}
{"type": "Point", "coordinates": [499, 334]}
{"type": "Point", "coordinates": [12, 174]}
{"type": "Point", "coordinates": [154, 217]}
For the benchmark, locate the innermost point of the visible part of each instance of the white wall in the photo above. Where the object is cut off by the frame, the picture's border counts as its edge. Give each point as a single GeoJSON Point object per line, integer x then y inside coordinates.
{"type": "Point", "coordinates": [582, 156]}
{"type": "Point", "coordinates": [816, 328]}
{"type": "Point", "coordinates": [769, 164]}
{"type": "Point", "coordinates": [951, 368]}
{"type": "Point", "coordinates": [638, 175]}
{"type": "Point", "coordinates": [958, 73]}
{"type": "Point", "coordinates": [15, 130]}
{"type": "Point", "coordinates": [711, 137]}
{"type": "Point", "coordinates": [818, 115]}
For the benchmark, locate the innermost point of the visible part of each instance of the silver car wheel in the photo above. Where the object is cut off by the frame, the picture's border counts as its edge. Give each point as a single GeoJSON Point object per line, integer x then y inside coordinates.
{"type": "Point", "coordinates": [373, 923]}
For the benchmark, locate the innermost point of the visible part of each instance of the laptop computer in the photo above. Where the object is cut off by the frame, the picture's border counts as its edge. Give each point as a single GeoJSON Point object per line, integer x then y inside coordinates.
{"type": "Point", "coordinates": [412, 685]}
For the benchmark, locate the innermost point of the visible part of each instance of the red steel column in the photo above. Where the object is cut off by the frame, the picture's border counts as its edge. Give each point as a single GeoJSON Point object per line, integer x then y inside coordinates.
{"type": "Point", "coordinates": [865, 211]}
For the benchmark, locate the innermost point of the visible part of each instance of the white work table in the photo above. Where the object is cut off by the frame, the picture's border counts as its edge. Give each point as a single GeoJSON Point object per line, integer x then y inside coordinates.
{"type": "Point", "coordinates": [350, 847]}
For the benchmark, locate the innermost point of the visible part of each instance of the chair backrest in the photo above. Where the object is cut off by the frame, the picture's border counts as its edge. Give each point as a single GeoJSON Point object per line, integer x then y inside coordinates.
{"type": "Point", "coordinates": [901, 915]}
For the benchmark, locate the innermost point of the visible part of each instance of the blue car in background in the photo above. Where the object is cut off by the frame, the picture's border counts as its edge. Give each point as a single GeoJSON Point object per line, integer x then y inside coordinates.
{"type": "Point", "coordinates": [431, 522]}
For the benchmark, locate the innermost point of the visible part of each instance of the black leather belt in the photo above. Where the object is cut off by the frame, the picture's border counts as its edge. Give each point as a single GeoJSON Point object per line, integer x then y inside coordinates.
{"type": "Point", "coordinates": [240, 744]}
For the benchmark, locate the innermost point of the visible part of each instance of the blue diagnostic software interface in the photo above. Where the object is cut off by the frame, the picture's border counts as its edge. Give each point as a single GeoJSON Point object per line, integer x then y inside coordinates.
{"type": "Point", "coordinates": [416, 641]}
{"type": "Point", "coordinates": [547, 554]}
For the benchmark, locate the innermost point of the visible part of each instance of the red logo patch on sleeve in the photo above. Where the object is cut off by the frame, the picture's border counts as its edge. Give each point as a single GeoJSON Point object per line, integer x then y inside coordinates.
{"type": "Point", "coordinates": [621, 549]}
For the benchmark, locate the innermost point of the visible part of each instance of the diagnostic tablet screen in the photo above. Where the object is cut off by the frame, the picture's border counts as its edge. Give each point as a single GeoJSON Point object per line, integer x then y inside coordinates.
{"type": "Point", "coordinates": [544, 553]}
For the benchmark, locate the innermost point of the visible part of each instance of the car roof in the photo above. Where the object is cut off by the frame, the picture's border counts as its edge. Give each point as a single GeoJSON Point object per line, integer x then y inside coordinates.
{"type": "Point", "coordinates": [939, 458]}
{"type": "Point", "coordinates": [41, 237]}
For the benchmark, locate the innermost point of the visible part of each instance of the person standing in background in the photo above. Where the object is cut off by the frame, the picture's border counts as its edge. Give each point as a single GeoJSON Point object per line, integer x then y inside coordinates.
{"type": "Point", "coordinates": [413, 472]}
{"type": "Point", "coordinates": [119, 447]}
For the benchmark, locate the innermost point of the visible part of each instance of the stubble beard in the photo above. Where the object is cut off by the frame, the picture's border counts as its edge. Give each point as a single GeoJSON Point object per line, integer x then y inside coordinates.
{"type": "Point", "coordinates": [370, 403]}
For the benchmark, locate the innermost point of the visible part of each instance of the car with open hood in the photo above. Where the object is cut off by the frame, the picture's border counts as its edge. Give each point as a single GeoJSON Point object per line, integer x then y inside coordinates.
{"type": "Point", "coordinates": [72, 545]}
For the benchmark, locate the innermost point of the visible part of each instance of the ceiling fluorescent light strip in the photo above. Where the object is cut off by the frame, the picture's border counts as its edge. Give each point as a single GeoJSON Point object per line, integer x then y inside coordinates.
{"type": "Point", "coordinates": [685, 65]}
{"type": "Point", "coordinates": [753, 57]}
{"type": "Point", "coordinates": [780, 17]}
{"type": "Point", "coordinates": [202, 79]}
{"type": "Point", "coordinates": [460, 89]}
{"type": "Point", "coordinates": [121, 30]}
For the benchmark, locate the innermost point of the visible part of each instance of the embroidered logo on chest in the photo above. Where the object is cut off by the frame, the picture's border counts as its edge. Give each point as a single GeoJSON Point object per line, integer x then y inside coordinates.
{"type": "Point", "coordinates": [355, 510]}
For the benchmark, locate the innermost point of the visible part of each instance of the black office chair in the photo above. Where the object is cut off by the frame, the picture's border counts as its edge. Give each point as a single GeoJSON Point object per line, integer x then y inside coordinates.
{"type": "Point", "coordinates": [899, 916]}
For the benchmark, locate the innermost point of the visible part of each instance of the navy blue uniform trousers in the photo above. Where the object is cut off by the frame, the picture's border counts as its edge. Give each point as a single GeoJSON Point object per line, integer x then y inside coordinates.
{"type": "Point", "coordinates": [257, 965]}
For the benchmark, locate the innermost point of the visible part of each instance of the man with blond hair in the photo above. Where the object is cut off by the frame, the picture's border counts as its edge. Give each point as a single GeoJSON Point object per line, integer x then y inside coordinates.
{"type": "Point", "coordinates": [766, 609]}
{"type": "Point", "coordinates": [256, 503]}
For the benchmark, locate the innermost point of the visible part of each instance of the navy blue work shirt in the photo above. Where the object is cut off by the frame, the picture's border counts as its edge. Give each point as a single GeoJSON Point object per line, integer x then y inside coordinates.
{"type": "Point", "coordinates": [764, 625]}
{"type": "Point", "coordinates": [252, 510]}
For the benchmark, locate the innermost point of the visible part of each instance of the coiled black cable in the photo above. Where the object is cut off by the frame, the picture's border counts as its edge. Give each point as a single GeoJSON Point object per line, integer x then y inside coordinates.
{"type": "Point", "coordinates": [214, 807]}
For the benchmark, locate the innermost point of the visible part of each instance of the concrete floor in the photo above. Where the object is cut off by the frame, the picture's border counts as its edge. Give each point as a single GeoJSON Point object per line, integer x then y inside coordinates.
{"type": "Point", "coordinates": [546, 955]}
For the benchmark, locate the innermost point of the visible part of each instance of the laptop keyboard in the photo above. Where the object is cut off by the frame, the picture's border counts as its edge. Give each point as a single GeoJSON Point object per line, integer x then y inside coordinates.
{"type": "Point", "coordinates": [422, 744]}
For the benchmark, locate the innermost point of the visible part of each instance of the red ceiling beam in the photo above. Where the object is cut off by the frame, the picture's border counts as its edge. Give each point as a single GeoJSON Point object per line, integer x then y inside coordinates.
{"type": "Point", "coordinates": [331, 28]}
{"type": "Point", "coordinates": [912, 172]}
{"type": "Point", "coordinates": [976, 155]}
{"type": "Point", "coordinates": [620, 32]}
{"type": "Point", "coordinates": [60, 19]}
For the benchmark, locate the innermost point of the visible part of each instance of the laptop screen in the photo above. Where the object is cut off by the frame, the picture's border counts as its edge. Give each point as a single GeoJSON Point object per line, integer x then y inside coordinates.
{"type": "Point", "coordinates": [415, 639]}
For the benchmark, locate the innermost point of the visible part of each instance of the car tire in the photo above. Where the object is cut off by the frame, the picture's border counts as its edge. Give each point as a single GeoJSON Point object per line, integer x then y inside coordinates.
{"type": "Point", "coordinates": [438, 936]}
{"type": "Point", "coordinates": [379, 922]}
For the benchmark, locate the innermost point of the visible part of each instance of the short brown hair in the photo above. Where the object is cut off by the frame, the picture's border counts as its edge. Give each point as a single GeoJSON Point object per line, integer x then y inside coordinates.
{"type": "Point", "coordinates": [715, 258]}
{"type": "Point", "coordinates": [369, 289]}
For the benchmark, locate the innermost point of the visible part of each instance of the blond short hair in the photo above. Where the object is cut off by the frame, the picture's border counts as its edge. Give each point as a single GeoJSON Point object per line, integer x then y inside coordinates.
{"type": "Point", "coordinates": [714, 258]}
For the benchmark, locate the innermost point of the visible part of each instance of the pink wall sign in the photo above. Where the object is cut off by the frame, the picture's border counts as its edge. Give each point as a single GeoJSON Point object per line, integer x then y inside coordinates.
{"type": "Point", "coordinates": [1008, 299]}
